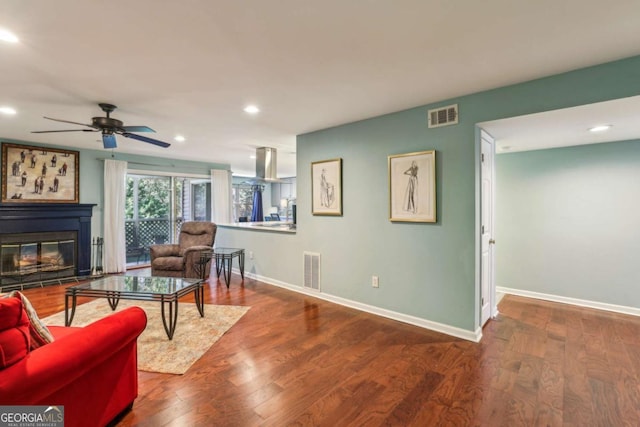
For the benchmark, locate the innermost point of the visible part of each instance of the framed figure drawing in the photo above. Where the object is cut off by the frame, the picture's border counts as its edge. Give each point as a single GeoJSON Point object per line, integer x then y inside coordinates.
{"type": "Point", "coordinates": [412, 187]}
{"type": "Point", "coordinates": [39, 174]}
{"type": "Point", "coordinates": [326, 187]}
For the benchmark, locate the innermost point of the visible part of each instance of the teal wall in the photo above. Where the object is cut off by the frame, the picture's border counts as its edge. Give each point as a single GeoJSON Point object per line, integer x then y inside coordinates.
{"type": "Point", "coordinates": [567, 222]}
{"type": "Point", "coordinates": [426, 270]}
{"type": "Point", "coordinates": [92, 173]}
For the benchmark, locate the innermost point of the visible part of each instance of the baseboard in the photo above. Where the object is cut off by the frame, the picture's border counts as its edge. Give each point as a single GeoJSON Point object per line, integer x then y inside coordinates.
{"type": "Point", "coordinates": [389, 314]}
{"type": "Point", "coordinates": [573, 301]}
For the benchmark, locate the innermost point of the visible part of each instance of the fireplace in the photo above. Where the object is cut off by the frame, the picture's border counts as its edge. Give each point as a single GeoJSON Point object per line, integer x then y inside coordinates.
{"type": "Point", "coordinates": [37, 256]}
{"type": "Point", "coordinates": [43, 242]}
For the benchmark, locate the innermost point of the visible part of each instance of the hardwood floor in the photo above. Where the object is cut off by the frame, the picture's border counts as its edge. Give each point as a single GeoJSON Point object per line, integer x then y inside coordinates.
{"type": "Point", "coordinates": [293, 360]}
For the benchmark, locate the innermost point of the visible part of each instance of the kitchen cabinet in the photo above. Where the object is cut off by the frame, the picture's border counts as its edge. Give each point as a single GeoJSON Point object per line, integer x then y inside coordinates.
{"type": "Point", "coordinates": [284, 190]}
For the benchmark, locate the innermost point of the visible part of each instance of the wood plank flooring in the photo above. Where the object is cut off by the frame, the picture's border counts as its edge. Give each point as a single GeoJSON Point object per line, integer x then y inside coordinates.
{"type": "Point", "coordinates": [293, 360]}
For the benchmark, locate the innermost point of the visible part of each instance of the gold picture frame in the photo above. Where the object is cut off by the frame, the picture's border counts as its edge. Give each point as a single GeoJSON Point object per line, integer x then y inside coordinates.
{"type": "Point", "coordinates": [33, 174]}
{"type": "Point", "coordinates": [326, 187]}
{"type": "Point", "coordinates": [412, 187]}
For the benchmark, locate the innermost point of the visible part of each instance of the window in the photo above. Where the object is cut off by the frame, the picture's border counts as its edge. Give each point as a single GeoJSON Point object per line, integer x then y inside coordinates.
{"type": "Point", "coordinates": [157, 205]}
{"type": "Point", "coordinates": [242, 200]}
{"type": "Point", "coordinates": [201, 200]}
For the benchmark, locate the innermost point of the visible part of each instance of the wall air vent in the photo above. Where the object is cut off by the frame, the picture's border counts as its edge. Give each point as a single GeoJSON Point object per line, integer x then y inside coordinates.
{"type": "Point", "coordinates": [443, 116]}
{"type": "Point", "coordinates": [311, 270]}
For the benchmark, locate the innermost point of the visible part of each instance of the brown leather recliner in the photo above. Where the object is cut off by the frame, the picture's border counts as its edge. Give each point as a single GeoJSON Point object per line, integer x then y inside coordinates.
{"type": "Point", "coordinates": [181, 260]}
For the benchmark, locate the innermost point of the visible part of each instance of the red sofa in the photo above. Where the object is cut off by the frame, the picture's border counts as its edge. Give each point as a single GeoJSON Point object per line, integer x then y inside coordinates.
{"type": "Point", "coordinates": [91, 371]}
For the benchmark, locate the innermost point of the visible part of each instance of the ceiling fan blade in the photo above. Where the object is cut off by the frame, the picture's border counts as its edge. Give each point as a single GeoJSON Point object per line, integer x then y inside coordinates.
{"type": "Point", "coordinates": [109, 140]}
{"type": "Point", "coordinates": [68, 130]}
{"type": "Point", "coordinates": [137, 129]}
{"type": "Point", "coordinates": [68, 121]}
{"type": "Point", "coordinates": [146, 139]}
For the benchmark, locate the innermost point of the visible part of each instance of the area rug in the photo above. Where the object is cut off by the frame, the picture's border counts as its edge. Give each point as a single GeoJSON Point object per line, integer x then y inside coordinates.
{"type": "Point", "coordinates": [194, 335]}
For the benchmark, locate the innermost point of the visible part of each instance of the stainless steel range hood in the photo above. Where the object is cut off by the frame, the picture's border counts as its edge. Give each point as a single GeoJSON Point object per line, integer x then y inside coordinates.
{"type": "Point", "coordinates": [267, 164]}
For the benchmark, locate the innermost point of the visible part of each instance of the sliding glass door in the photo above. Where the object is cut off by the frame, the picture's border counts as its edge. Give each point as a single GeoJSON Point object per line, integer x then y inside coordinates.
{"type": "Point", "coordinates": [157, 205]}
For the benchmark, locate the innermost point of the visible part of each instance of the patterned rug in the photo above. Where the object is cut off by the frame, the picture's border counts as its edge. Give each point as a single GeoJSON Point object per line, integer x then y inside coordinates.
{"type": "Point", "coordinates": [156, 353]}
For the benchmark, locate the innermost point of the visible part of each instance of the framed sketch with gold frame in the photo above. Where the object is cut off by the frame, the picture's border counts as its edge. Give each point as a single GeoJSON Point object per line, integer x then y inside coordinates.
{"type": "Point", "coordinates": [326, 187]}
{"type": "Point", "coordinates": [412, 187]}
{"type": "Point", "coordinates": [39, 174]}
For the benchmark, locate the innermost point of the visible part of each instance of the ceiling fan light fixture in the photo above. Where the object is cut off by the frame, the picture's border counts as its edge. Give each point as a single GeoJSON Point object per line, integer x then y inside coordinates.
{"type": "Point", "coordinates": [600, 128]}
{"type": "Point", "coordinates": [8, 111]}
{"type": "Point", "coordinates": [8, 36]}
{"type": "Point", "coordinates": [108, 139]}
{"type": "Point", "coordinates": [180, 138]}
{"type": "Point", "coordinates": [109, 127]}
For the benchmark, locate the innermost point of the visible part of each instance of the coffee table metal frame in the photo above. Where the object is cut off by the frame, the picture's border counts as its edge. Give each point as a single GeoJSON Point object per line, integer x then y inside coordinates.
{"type": "Point", "coordinates": [114, 296]}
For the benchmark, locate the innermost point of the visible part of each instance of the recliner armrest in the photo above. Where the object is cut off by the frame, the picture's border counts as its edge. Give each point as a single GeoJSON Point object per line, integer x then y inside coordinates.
{"type": "Point", "coordinates": [156, 251]}
{"type": "Point", "coordinates": [191, 261]}
{"type": "Point", "coordinates": [197, 249]}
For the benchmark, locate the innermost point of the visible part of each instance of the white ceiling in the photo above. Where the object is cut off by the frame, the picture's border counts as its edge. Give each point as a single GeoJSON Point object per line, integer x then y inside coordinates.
{"type": "Point", "coordinates": [190, 67]}
{"type": "Point", "coordinates": [567, 127]}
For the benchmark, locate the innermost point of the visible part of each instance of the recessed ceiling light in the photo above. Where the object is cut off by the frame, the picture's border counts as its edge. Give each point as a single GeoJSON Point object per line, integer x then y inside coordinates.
{"type": "Point", "coordinates": [601, 128]}
{"type": "Point", "coordinates": [253, 156]}
{"type": "Point", "coordinates": [251, 109]}
{"type": "Point", "coordinates": [180, 138]}
{"type": "Point", "coordinates": [8, 111]}
{"type": "Point", "coordinates": [8, 36]}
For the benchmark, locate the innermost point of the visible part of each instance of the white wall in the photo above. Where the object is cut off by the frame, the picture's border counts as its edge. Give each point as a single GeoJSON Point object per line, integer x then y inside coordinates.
{"type": "Point", "coordinates": [568, 222]}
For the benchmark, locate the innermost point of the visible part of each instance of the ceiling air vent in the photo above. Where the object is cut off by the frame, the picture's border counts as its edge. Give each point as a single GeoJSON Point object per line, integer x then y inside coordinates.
{"type": "Point", "coordinates": [443, 116]}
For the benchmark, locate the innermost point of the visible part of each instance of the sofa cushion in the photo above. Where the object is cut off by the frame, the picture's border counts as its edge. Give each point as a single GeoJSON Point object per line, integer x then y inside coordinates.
{"type": "Point", "coordinates": [40, 334]}
{"type": "Point", "coordinates": [14, 332]}
{"type": "Point", "coordinates": [171, 263]}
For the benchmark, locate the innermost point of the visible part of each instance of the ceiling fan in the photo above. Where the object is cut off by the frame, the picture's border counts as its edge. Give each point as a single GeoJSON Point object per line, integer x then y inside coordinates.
{"type": "Point", "coordinates": [109, 128]}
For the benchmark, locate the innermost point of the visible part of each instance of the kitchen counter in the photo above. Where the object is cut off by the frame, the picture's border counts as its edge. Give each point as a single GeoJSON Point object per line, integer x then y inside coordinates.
{"type": "Point", "coordinates": [270, 226]}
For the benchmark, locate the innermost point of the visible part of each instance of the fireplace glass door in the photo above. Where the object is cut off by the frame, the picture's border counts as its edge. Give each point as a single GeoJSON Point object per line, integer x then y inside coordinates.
{"type": "Point", "coordinates": [37, 256]}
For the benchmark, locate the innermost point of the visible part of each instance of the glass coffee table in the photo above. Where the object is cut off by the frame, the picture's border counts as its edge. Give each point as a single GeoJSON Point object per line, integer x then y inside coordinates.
{"type": "Point", "coordinates": [166, 290]}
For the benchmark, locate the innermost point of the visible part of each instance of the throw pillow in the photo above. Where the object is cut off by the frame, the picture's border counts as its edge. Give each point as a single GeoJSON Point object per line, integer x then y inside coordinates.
{"type": "Point", "coordinates": [40, 334]}
{"type": "Point", "coordinates": [14, 332]}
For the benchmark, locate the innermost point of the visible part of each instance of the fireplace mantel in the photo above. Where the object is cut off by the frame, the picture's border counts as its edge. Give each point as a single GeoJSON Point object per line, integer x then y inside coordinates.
{"type": "Point", "coordinates": [44, 217]}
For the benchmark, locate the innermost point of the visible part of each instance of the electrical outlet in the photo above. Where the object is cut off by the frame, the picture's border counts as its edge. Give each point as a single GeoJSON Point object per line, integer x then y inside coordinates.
{"type": "Point", "coordinates": [374, 281]}
{"type": "Point", "coordinates": [250, 254]}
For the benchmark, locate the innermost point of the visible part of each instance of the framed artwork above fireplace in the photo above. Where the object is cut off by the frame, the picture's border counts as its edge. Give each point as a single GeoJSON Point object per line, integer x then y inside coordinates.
{"type": "Point", "coordinates": [39, 174]}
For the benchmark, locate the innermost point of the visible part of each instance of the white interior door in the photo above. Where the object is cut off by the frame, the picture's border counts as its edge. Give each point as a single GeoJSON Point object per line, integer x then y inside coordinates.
{"type": "Point", "coordinates": [487, 221]}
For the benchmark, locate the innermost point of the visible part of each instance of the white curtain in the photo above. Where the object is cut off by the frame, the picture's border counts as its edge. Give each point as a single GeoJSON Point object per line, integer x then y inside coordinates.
{"type": "Point", "coordinates": [221, 196]}
{"type": "Point", "coordinates": [115, 251]}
